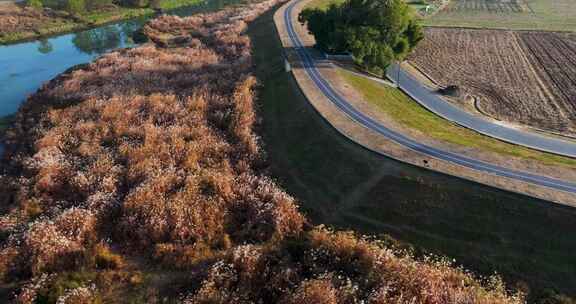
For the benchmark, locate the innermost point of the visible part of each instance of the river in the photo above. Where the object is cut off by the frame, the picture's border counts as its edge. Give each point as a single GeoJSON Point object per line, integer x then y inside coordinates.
{"type": "Point", "coordinates": [24, 67]}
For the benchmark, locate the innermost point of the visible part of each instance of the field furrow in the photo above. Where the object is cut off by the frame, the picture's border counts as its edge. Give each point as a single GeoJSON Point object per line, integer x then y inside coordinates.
{"type": "Point", "coordinates": [521, 77]}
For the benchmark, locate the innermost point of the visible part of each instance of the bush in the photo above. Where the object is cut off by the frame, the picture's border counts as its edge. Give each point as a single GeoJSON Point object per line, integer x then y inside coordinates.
{"type": "Point", "coordinates": [75, 6]}
{"type": "Point", "coordinates": [375, 32]}
{"type": "Point", "coordinates": [135, 3]}
{"type": "Point", "coordinates": [34, 3]}
{"type": "Point", "coordinates": [155, 4]}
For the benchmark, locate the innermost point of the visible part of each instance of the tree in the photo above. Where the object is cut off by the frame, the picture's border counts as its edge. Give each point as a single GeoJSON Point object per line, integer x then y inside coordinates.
{"type": "Point", "coordinates": [34, 3]}
{"type": "Point", "coordinates": [75, 6]}
{"type": "Point", "coordinates": [155, 4]}
{"type": "Point", "coordinates": [98, 4]}
{"type": "Point", "coordinates": [375, 32]}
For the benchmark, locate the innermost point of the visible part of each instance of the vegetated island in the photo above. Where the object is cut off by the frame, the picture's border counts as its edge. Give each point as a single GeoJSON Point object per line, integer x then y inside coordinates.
{"type": "Point", "coordinates": [34, 19]}
{"type": "Point", "coordinates": [139, 178]}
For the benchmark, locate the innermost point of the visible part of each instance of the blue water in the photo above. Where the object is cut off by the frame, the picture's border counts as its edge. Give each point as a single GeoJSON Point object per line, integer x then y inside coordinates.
{"type": "Point", "coordinates": [26, 66]}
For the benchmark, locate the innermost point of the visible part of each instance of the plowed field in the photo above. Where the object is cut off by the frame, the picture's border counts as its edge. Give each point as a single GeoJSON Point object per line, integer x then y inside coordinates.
{"type": "Point", "coordinates": [521, 77]}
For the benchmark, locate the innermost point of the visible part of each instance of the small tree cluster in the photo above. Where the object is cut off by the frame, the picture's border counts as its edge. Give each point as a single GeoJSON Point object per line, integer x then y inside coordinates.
{"type": "Point", "coordinates": [375, 32]}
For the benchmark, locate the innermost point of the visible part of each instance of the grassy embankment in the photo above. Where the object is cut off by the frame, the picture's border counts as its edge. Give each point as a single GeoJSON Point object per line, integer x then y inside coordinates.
{"type": "Point", "coordinates": [340, 184]}
{"type": "Point", "coordinates": [88, 20]}
{"type": "Point", "coordinates": [410, 114]}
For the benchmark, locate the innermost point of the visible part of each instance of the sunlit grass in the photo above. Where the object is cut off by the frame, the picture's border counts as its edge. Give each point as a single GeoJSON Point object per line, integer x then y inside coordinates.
{"type": "Point", "coordinates": [410, 114]}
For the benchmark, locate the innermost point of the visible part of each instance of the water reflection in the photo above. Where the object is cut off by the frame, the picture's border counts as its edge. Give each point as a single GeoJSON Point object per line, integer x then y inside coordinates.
{"type": "Point", "coordinates": [97, 41]}
{"type": "Point", "coordinates": [44, 46]}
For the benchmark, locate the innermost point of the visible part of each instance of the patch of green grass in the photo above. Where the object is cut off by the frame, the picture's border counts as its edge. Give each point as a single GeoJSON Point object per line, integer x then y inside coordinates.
{"type": "Point", "coordinates": [63, 282]}
{"type": "Point", "coordinates": [410, 114]}
{"type": "Point", "coordinates": [173, 4]}
{"type": "Point", "coordinates": [340, 184]}
{"type": "Point", "coordinates": [97, 18]}
{"type": "Point", "coordinates": [323, 4]}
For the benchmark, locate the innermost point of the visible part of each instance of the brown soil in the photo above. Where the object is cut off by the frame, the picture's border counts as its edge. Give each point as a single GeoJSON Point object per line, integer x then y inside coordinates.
{"type": "Point", "coordinates": [519, 77]}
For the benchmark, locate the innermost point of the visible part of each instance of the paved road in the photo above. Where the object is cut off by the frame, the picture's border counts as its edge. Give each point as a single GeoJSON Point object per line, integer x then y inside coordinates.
{"type": "Point", "coordinates": [340, 102]}
{"type": "Point", "coordinates": [434, 103]}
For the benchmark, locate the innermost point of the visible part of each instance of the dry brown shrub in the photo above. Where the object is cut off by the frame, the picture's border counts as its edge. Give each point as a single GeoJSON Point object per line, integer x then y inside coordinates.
{"type": "Point", "coordinates": [313, 292]}
{"type": "Point", "coordinates": [80, 295]}
{"type": "Point", "coordinates": [328, 267]}
{"type": "Point", "coordinates": [104, 258]}
{"type": "Point", "coordinates": [59, 244]}
{"type": "Point", "coordinates": [15, 18]}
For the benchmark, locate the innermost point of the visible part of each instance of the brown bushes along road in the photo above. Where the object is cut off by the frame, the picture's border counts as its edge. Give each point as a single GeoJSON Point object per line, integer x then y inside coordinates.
{"type": "Point", "coordinates": [148, 156]}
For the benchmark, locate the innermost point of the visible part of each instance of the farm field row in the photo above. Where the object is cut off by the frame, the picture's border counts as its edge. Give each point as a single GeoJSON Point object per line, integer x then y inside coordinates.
{"type": "Point", "coordinates": [558, 15]}
{"type": "Point", "coordinates": [520, 77]}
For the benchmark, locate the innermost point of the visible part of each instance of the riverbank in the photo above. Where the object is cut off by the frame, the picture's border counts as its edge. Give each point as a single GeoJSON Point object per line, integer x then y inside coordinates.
{"type": "Point", "coordinates": [39, 24]}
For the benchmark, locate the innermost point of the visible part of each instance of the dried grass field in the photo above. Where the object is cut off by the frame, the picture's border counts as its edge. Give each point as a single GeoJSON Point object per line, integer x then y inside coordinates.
{"type": "Point", "coordinates": [558, 15]}
{"type": "Point", "coordinates": [521, 77]}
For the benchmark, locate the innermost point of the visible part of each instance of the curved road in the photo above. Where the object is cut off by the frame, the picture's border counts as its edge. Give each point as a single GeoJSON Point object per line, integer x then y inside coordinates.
{"type": "Point", "coordinates": [434, 103]}
{"type": "Point", "coordinates": [340, 102]}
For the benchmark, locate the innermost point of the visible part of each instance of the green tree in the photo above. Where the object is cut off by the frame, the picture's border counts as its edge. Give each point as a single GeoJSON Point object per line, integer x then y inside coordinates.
{"type": "Point", "coordinates": [155, 4]}
{"type": "Point", "coordinates": [75, 6]}
{"type": "Point", "coordinates": [375, 32]}
{"type": "Point", "coordinates": [34, 3]}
